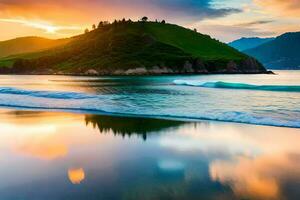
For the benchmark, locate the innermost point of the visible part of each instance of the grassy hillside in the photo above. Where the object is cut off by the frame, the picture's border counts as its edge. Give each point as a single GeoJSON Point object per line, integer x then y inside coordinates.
{"type": "Point", "coordinates": [27, 44]}
{"type": "Point", "coordinates": [281, 53]}
{"type": "Point", "coordinates": [197, 44]}
{"type": "Point", "coordinates": [122, 46]}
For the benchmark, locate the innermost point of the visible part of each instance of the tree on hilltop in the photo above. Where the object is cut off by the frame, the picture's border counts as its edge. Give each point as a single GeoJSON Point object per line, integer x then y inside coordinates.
{"type": "Point", "coordinates": [145, 19]}
{"type": "Point", "coordinates": [100, 24]}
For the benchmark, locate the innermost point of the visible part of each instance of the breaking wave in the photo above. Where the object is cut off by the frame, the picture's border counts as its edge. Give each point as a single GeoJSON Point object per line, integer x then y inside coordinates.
{"type": "Point", "coordinates": [45, 94]}
{"type": "Point", "coordinates": [244, 86]}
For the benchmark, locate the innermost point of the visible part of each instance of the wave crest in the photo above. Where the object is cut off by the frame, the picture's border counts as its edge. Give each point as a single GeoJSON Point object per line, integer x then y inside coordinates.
{"type": "Point", "coordinates": [45, 94]}
{"type": "Point", "coordinates": [244, 86]}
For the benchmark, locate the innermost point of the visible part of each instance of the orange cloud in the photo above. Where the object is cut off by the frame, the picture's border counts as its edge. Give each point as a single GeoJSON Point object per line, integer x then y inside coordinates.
{"type": "Point", "coordinates": [83, 13]}
{"type": "Point", "coordinates": [289, 8]}
{"type": "Point", "coordinates": [46, 10]}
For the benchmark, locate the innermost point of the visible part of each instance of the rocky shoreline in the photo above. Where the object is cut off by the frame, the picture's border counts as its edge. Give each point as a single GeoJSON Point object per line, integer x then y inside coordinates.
{"type": "Point", "coordinates": [248, 66]}
{"type": "Point", "coordinates": [138, 72]}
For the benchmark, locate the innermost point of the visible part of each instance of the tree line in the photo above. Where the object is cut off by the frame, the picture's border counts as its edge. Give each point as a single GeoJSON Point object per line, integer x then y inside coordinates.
{"type": "Point", "coordinates": [105, 23]}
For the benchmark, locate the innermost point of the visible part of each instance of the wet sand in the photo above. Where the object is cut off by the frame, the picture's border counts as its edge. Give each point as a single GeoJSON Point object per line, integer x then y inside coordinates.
{"type": "Point", "coordinates": [47, 155]}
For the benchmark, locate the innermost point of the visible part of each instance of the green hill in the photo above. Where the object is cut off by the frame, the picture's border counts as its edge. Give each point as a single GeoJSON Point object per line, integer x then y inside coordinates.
{"type": "Point", "coordinates": [136, 48]}
{"type": "Point", "coordinates": [281, 53]}
{"type": "Point", "coordinates": [27, 44]}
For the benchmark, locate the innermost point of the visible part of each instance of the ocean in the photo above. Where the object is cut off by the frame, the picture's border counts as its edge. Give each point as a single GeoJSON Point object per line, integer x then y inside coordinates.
{"type": "Point", "coordinates": [212, 137]}
{"type": "Point", "coordinates": [263, 99]}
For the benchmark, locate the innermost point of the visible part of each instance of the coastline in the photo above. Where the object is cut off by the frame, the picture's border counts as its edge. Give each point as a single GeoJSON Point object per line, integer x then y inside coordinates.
{"type": "Point", "coordinates": [140, 116]}
{"type": "Point", "coordinates": [141, 74]}
{"type": "Point", "coordinates": [116, 116]}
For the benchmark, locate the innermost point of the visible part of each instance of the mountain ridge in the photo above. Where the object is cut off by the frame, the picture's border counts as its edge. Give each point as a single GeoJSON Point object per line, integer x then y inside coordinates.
{"type": "Point", "coordinates": [281, 53]}
{"type": "Point", "coordinates": [28, 44]}
{"type": "Point", "coordinates": [246, 43]}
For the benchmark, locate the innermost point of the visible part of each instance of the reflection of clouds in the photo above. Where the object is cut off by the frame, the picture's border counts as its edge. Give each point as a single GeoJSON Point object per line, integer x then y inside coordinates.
{"type": "Point", "coordinates": [39, 135]}
{"type": "Point", "coordinates": [8, 128]}
{"type": "Point", "coordinates": [42, 146]}
{"type": "Point", "coordinates": [37, 140]}
{"type": "Point", "coordinates": [46, 136]}
{"type": "Point", "coordinates": [209, 140]}
{"type": "Point", "coordinates": [171, 165]}
{"type": "Point", "coordinates": [76, 176]}
{"type": "Point", "coordinates": [259, 177]}
{"type": "Point", "coordinates": [247, 177]}
{"type": "Point", "coordinates": [228, 139]}
{"type": "Point", "coordinates": [255, 161]}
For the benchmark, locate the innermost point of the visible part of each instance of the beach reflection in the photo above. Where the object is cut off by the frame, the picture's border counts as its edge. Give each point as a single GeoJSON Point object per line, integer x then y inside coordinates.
{"type": "Point", "coordinates": [132, 157]}
{"type": "Point", "coordinates": [256, 162]}
{"type": "Point", "coordinates": [128, 126]}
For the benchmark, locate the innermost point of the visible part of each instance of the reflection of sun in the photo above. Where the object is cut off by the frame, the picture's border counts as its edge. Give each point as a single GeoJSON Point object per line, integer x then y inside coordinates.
{"type": "Point", "coordinates": [76, 176]}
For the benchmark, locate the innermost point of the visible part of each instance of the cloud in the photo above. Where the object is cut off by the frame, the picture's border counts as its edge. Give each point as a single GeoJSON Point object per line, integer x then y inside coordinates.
{"type": "Point", "coordinates": [229, 33]}
{"type": "Point", "coordinates": [289, 8]}
{"type": "Point", "coordinates": [254, 23]}
{"type": "Point", "coordinates": [70, 17]}
{"type": "Point", "coordinates": [110, 9]}
{"type": "Point", "coordinates": [197, 9]}
{"type": "Point", "coordinates": [41, 25]}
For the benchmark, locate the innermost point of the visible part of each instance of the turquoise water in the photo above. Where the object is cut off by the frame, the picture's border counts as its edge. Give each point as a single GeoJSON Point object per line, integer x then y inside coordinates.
{"type": "Point", "coordinates": [252, 99]}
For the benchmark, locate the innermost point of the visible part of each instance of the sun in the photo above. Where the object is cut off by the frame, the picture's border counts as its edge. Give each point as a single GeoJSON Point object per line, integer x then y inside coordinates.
{"type": "Point", "coordinates": [42, 25]}
{"type": "Point", "coordinates": [51, 29]}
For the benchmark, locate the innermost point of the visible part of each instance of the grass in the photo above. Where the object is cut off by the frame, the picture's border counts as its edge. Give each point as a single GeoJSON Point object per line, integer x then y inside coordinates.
{"type": "Point", "coordinates": [197, 44]}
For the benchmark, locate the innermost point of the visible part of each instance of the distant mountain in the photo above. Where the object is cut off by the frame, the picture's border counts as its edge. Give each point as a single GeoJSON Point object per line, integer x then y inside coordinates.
{"type": "Point", "coordinates": [249, 43]}
{"type": "Point", "coordinates": [126, 48]}
{"type": "Point", "coordinates": [281, 53]}
{"type": "Point", "coordinates": [27, 44]}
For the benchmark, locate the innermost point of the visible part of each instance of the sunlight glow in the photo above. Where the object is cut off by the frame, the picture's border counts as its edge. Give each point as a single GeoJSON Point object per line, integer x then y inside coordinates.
{"type": "Point", "coordinates": [41, 25]}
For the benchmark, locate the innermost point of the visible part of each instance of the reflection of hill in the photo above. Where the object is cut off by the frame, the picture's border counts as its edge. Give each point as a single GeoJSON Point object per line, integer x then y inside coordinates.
{"type": "Point", "coordinates": [129, 125]}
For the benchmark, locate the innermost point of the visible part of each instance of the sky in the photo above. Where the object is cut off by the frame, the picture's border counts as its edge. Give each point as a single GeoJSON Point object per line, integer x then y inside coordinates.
{"type": "Point", "coordinates": [225, 20]}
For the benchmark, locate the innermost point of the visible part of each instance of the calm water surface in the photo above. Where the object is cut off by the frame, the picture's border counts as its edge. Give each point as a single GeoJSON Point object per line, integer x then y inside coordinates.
{"type": "Point", "coordinates": [100, 154]}
{"type": "Point", "coordinates": [60, 156]}
{"type": "Point", "coordinates": [251, 99]}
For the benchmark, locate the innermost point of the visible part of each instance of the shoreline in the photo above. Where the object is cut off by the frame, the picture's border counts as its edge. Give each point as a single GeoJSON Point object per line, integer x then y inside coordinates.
{"type": "Point", "coordinates": [144, 74]}
{"type": "Point", "coordinates": [136, 116]}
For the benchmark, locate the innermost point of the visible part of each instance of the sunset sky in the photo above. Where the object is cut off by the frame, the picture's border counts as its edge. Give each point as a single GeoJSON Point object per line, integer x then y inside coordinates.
{"type": "Point", "coordinates": [223, 19]}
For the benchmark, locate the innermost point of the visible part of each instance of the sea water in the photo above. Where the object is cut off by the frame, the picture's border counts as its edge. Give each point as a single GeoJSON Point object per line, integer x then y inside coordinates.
{"type": "Point", "coordinates": [262, 99]}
